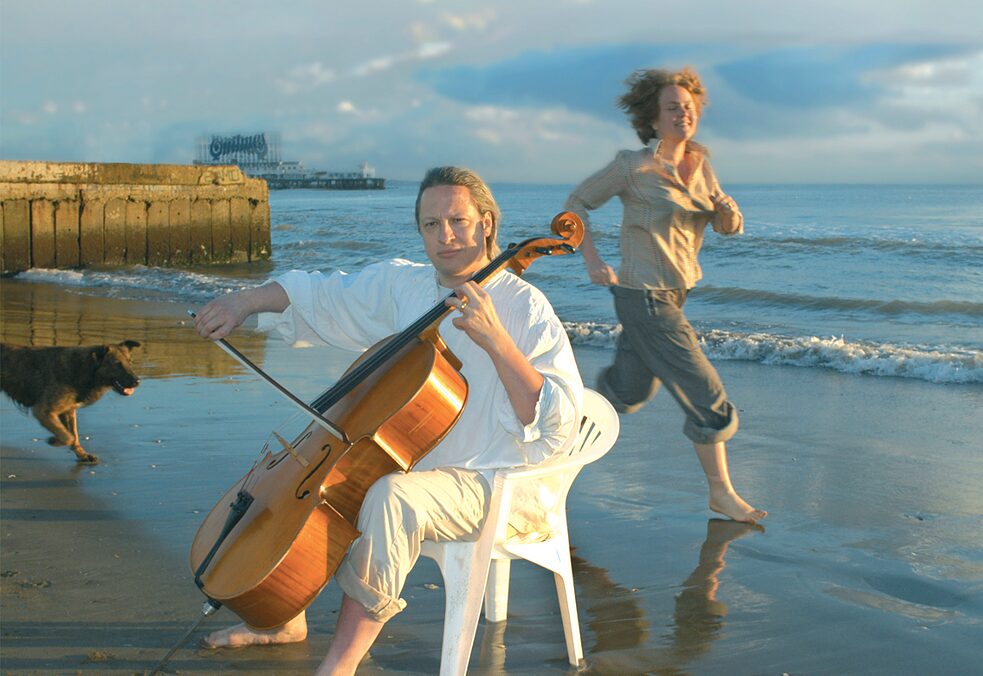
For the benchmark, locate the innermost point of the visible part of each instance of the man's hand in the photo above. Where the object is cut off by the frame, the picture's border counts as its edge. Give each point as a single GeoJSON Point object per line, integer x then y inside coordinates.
{"type": "Point", "coordinates": [479, 318]}
{"type": "Point", "coordinates": [218, 319]}
{"type": "Point", "coordinates": [481, 322]}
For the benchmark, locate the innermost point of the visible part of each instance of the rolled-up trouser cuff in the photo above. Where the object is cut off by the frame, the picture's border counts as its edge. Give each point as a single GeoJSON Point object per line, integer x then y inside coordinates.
{"type": "Point", "coordinates": [380, 607]}
{"type": "Point", "coordinates": [710, 435]}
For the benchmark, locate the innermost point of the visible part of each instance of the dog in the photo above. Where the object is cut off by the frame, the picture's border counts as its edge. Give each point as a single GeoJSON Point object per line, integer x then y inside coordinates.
{"type": "Point", "coordinates": [54, 382]}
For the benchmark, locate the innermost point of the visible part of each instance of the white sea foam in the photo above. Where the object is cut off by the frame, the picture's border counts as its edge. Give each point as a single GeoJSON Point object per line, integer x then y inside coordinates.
{"type": "Point", "coordinates": [64, 277]}
{"type": "Point", "coordinates": [141, 282]}
{"type": "Point", "coordinates": [940, 364]}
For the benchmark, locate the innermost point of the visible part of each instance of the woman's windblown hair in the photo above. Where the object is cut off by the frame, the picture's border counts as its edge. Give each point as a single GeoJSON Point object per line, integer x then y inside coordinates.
{"type": "Point", "coordinates": [641, 101]}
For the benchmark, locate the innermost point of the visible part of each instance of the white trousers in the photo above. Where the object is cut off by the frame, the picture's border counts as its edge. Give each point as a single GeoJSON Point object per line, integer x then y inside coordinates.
{"type": "Point", "coordinates": [400, 511]}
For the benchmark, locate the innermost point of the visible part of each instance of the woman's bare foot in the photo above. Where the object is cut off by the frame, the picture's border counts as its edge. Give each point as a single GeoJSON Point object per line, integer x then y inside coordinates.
{"type": "Point", "coordinates": [723, 498]}
{"type": "Point", "coordinates": [731, 505]}
{"type": "Point", "coordinates": [242, 635]}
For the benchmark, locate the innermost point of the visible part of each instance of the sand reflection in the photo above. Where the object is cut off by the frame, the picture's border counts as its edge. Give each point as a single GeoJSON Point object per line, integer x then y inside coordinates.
{"type": "Point", "coordinates": [619, 625]}
{"type": "Point", "coordinates": [46, 315]}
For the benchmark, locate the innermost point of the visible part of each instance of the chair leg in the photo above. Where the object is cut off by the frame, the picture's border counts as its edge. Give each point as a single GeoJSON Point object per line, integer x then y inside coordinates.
{"type": "Point", "coordinates": [497, 592]}
{"type": "Point", "coordinates": [568, 613]}
{"type": "Point", "coordinates": [463, 588]}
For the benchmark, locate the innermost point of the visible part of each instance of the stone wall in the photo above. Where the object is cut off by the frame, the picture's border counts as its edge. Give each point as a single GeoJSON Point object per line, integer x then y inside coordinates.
{"type": "Point", "coordinates": [69, 215]}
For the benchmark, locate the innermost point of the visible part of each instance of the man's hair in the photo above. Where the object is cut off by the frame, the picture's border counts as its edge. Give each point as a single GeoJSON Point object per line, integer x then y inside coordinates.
{"type": "Point", "coordinates": [641, 101]}
{"type": "Point", "coordinates": [481, 197]}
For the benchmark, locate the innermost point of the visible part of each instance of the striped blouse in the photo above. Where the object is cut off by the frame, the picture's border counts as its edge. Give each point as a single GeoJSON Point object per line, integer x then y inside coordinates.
{"type": "Point", "coordinates": [664, 217]}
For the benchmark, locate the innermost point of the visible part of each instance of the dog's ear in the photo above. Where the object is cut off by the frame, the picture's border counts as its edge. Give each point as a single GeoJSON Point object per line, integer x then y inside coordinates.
{"type": "Point", "coordinates": [129, 344]}
{"type": "Point", "coordinates": [99, 353]}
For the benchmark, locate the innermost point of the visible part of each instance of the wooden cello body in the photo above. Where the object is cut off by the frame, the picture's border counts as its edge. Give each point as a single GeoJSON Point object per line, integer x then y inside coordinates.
{"type": "Point", "coordinates": [277, 536]}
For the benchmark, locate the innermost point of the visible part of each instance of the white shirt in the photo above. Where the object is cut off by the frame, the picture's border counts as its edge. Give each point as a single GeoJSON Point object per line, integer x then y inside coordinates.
{"type": "Point", "coordinates": [354, 311]}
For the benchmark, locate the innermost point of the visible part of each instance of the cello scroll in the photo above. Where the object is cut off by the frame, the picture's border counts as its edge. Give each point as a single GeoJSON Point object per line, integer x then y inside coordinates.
{"type": "Point", "coordinates": [567, 225]}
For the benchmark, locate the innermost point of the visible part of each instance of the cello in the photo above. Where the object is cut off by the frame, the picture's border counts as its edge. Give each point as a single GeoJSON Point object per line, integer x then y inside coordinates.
{"type": "Point", "coordinates": [276, 537]}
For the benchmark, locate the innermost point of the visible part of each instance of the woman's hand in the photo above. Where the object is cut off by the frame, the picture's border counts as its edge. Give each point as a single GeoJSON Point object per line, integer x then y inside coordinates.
{"type": "Point", "coordinates": [728, 219]}
{"type": "Point", "coordinates": [724, 202]}
{"type": "Point", "coordinates": [598, 271]}
{"type": "Point", "coordinates": [602, 273]}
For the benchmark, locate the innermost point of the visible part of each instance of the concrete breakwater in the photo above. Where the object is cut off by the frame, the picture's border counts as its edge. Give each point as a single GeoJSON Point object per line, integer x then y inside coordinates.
{"type": "Point", "coordinates": [69, 215]}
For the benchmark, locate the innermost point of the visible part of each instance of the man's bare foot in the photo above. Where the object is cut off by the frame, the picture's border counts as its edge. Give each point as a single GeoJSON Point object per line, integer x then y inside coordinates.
{"type": "Point", "coordinates": [733, 507]}
{"type": "Point", "coordinates": [242, 635]}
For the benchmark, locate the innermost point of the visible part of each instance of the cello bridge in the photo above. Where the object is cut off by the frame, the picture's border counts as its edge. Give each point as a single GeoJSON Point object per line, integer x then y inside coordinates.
{"type": "Point", "coordinates": [292, 451]}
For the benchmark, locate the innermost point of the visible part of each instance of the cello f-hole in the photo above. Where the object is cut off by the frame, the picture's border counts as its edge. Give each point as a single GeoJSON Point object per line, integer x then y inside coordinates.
{"type": "Point", "coordinates": [300, 493]}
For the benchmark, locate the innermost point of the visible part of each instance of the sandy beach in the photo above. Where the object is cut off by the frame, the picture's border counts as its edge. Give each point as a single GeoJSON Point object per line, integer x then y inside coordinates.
{"type": "Point", "coordinates": [870, 562]}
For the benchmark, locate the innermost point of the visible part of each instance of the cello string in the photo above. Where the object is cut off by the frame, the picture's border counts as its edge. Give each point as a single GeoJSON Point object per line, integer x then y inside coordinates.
{"type": "Point", "coordinates": [360, 372]}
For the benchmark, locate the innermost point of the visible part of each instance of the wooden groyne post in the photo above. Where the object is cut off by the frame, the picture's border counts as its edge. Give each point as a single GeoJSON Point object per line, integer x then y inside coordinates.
{"type": "Point", "coordinates": [70, 215]}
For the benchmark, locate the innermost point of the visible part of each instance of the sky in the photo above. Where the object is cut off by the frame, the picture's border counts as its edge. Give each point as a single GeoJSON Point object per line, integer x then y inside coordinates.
{"type": "Point", "coordinates": [851, 91]}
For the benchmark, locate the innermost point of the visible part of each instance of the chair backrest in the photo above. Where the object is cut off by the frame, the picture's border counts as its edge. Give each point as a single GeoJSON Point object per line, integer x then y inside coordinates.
{"type": "Point", "coordinates": [537, 506]}
{"type": "Point", "coordinates": [599, 428]}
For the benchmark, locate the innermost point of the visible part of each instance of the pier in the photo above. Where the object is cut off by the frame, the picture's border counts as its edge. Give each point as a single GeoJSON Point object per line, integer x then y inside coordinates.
{"type": "Point", "coordinates": [70, 215]}
{"type": "Point", "coordinates": [259, 156]}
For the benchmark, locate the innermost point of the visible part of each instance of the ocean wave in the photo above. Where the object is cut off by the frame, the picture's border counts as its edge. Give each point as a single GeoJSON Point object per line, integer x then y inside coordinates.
{"type": "Point", "coordinates": [934, 364]}
{"type": "Point", "coordinates": [769, 247]}
{"type": "Point", "coordinates": [723, 294]}
{"type": "Point", "coordinates": [140, 282]}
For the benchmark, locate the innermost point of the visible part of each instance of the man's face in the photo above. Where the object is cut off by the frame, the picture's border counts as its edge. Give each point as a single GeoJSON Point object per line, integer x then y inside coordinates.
{"type": "Point", "coordinates": [453, 233]}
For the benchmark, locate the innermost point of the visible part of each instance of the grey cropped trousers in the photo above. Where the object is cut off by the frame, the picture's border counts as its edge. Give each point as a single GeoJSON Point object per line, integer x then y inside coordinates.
{"type": "Point", "coordinates": [658, 346]}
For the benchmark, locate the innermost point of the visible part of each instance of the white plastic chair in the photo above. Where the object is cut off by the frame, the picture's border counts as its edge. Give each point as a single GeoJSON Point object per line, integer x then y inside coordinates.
{"type": "Point", "coordinates": [472, 570]}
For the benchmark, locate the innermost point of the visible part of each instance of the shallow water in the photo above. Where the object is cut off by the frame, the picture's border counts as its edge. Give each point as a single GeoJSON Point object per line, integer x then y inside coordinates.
{"type": "Point", "coordinates": [869, 280]}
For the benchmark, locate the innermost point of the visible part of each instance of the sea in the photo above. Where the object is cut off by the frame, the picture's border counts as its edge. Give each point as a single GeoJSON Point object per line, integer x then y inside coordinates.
{"type": "Point", "coordinates": [869, 280]}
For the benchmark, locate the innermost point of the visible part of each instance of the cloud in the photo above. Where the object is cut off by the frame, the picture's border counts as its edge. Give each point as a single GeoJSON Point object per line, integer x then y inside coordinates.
{"type": "Point", "coordinates": [305, 78]}
{"type": "Point", "coordinates": [352, 112]}
{"type": "Point", "coordinates": [431, 50]}
{"type": "Point", "coordinates": [174, 143]}
{"type": "Point", "coordinates": [519, 127]}
{"type": "Point", "coordinates": [376, 65]}
{"type": "Point", "coordinates": [802, 91]}
{"type": "Point", "coordinates": [583, 79]}
{"type": "Point", "coordinates": [822, 75]}
{"type": "Point", "coordinates": [476, 21]}
{"type": "Point", "coordinates": [424, 51]}
{"type": "Point", "coordinates": [827, 90]}
{"type": "Point", "coordinates": [502, 143]}
{"type": "Point", "coordinates": [495, 85]}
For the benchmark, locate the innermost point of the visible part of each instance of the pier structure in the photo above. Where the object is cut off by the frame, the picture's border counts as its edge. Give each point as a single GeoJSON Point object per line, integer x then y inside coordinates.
{"type": "Point", "coordinates": [70, 215]}
{"type": "Point", "coordinates": [259, 156]}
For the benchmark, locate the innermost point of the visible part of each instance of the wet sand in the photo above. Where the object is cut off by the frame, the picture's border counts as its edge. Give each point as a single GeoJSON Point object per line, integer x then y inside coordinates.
{"type": "Point", "coordinates": [871, 560]}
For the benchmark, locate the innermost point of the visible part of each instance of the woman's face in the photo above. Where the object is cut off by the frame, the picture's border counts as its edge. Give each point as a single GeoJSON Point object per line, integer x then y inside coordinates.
{"type": "Point", "coordinates": [678, 116]}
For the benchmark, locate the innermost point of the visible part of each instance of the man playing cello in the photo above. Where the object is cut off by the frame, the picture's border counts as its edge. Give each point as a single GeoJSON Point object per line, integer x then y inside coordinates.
{"type": "Point", "coordinates": [523, 402]}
